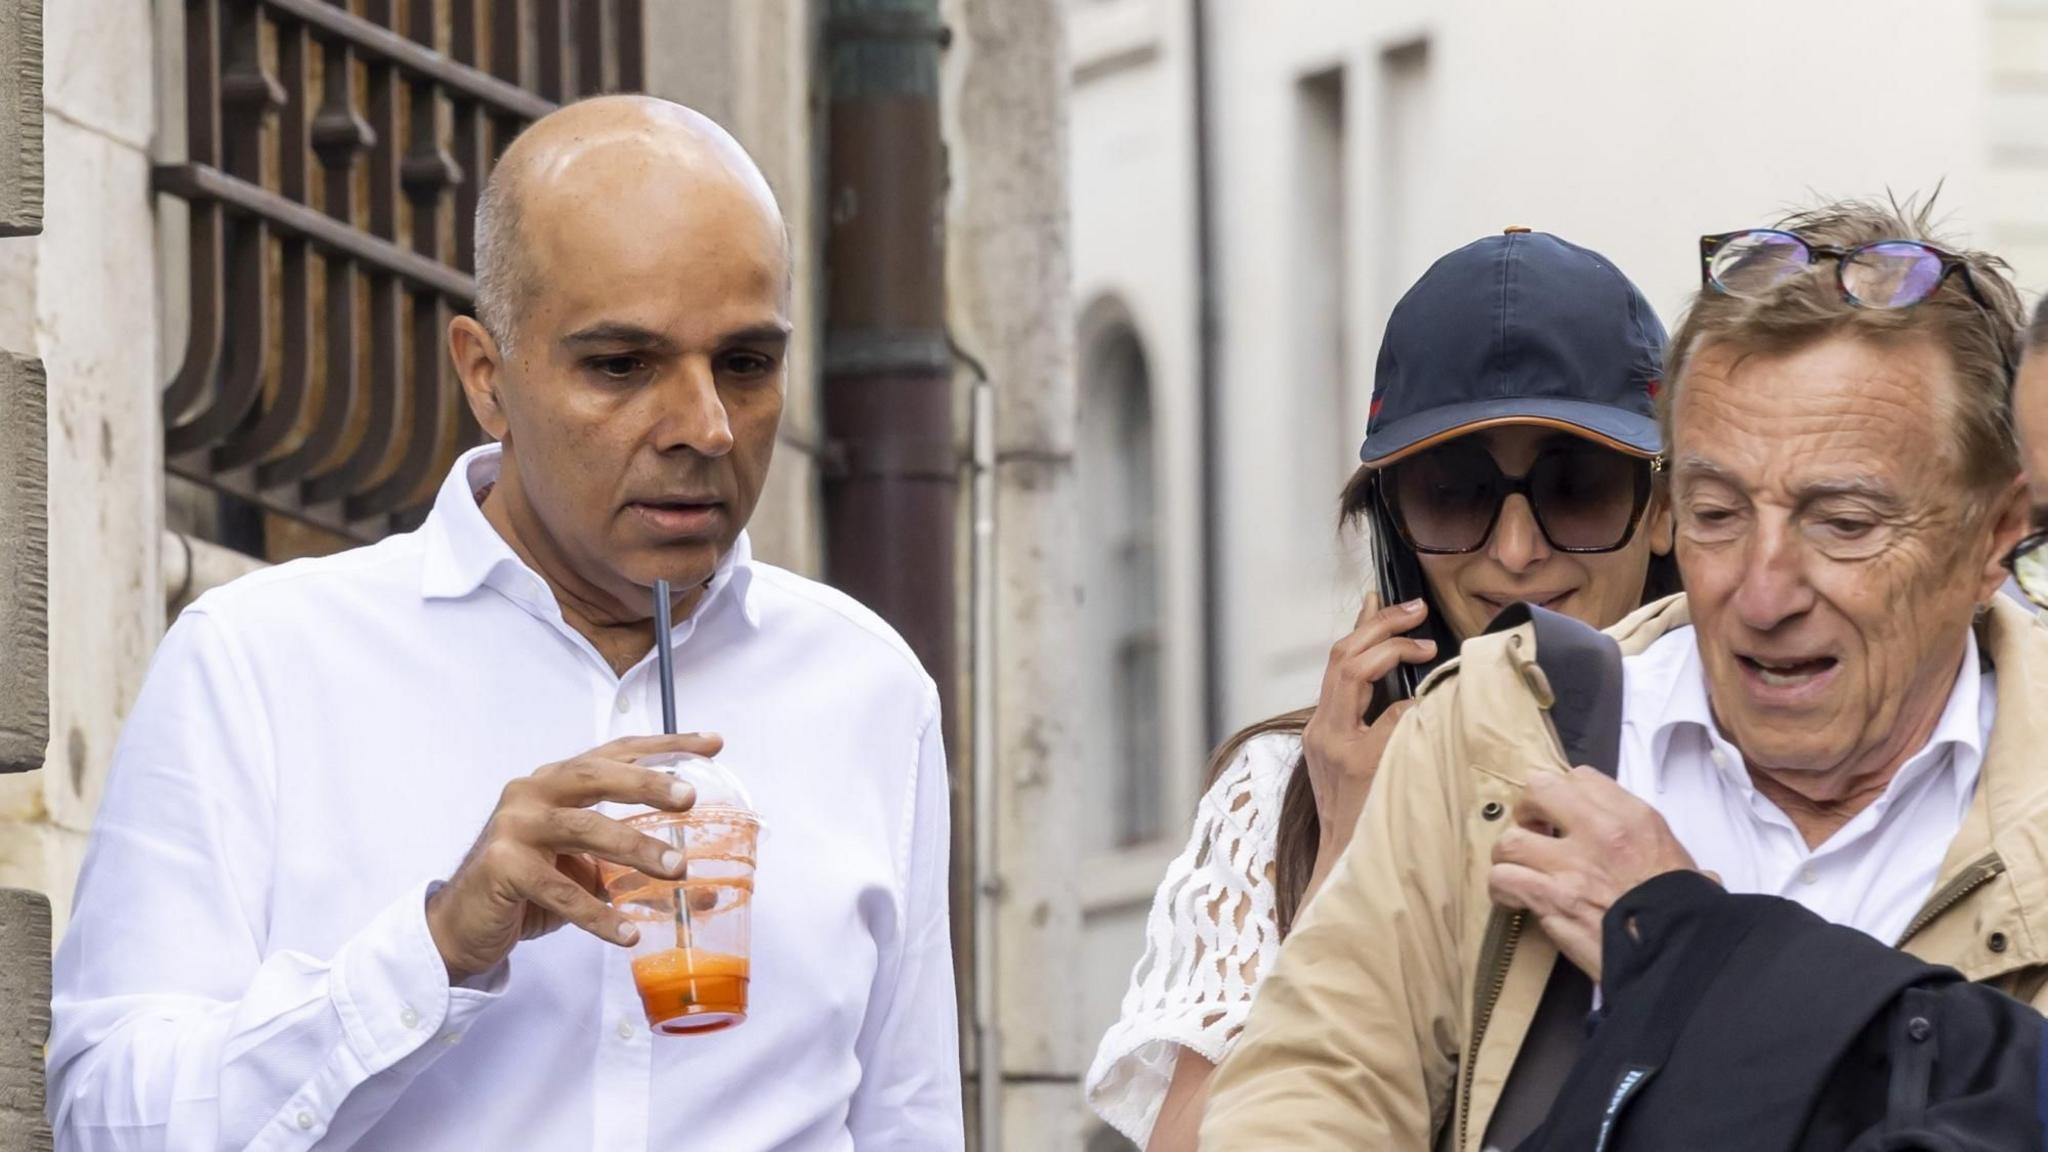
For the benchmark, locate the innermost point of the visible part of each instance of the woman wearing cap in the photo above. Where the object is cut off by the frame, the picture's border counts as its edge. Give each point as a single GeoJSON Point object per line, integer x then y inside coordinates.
{"type": "Point", "coordinates": [1509, 457]}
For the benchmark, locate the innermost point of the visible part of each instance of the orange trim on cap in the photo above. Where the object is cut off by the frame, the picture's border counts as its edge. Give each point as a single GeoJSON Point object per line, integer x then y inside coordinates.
{"type": "Point", "coordinates": [1429, 442]}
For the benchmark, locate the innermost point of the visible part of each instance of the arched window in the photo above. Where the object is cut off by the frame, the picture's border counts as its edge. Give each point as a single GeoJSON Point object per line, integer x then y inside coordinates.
{"type": "Point", "coordinates": [1120, 590]}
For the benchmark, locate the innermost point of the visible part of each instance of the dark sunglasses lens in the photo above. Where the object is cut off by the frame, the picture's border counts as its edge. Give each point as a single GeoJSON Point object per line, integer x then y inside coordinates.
{"type": "Point", "coordinates": [1446, 498]}
{"type": "Point", "coordinates": [1585, 498]}
{"type": "Point", "coordinates": [1753, 263]}
{"type": "Point", "coordinates": [1892, 275]}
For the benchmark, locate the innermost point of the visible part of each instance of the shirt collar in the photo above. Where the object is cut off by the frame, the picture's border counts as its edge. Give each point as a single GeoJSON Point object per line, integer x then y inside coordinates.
{"type": "Point", "coordinates": [1963, 726]}
{"type": "Point", "coordinates": [464, 551]}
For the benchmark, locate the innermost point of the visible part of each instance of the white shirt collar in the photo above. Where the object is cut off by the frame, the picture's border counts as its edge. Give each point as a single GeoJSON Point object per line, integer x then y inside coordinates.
{"type": "Point", "coordinates": [1682, 685]}
{"type": "Point", "coordinates": [465, 552]}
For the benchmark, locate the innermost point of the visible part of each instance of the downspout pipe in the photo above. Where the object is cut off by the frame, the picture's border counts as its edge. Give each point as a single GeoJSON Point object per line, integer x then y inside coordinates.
{"type": "Point", "coordinates": [891, 462]}
{"type": "Point", "coordinates": [986, 885]}
{"type": "Point", "coordinates": [891, 466]}
{"type": "Point", "coordinates": [1208, 380]}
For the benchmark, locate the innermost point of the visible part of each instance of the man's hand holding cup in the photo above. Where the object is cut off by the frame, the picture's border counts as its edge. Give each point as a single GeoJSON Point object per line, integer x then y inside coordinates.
{"type": "Point", "coordinates": [535, 866]}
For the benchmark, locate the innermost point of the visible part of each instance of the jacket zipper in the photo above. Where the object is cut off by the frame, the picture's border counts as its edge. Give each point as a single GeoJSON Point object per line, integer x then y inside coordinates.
{"type": "Point", "coordinates": [1981, 872]}
{"type": "Point", "coordinates": [1503, 932]}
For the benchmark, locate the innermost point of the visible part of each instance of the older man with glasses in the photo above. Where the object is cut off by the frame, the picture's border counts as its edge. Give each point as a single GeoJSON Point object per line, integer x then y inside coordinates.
{"type": "Point", "coordinates": [1840, 711]}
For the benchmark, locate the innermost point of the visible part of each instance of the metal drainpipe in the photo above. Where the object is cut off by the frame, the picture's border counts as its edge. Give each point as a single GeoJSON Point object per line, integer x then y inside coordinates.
{"type": "Point", "coordinates": [986, 886]}
{"type": "Point", "coordinates": [1209, 382]}
{"type": "Point", "coordinates": [891, 464]}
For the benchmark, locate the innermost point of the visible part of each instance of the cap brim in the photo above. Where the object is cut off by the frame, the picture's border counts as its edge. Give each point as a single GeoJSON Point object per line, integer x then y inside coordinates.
{"type": "Point", "coordinates": [1601, 423]}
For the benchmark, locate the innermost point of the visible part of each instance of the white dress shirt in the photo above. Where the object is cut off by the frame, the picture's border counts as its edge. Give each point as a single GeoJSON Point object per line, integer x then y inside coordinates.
{"type": "Point", "coordinates": [249, 963]}
{"type": "Point", "coordinates": [1875, 872]}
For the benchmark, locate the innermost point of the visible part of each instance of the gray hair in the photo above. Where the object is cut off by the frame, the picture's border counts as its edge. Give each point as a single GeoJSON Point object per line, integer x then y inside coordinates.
{"type": "Point", "coordinates": [1979, 339]}
{"type": "Point", "coordinates": [502, 278]}
{"type": "Point", "coordinates": [2037, 332]}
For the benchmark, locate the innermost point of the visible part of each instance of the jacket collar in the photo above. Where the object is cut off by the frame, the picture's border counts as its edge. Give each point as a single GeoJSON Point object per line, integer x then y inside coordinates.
{"type": "Point", "coordinates": [2009, 816]}
{"type": "Point", "coordinates": [465, 553]}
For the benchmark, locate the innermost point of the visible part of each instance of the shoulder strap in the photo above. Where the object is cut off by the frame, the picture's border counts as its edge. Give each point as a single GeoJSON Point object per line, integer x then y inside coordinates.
{"type": "Point", "coordinates": [1583, 666]}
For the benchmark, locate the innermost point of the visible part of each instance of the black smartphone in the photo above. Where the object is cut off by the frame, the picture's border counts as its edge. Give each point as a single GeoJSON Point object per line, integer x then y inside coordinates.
{"type": "Point", "coordinates": [1400, 580]}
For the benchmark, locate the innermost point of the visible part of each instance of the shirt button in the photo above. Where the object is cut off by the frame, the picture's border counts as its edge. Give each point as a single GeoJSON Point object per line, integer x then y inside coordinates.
{"type": "Point", "coordinates": [1808, 876]}
{"type": "Point", "coordinates": [409, 1018]}
{"type": "Point", "coordinates": [305, 1121]}
{"type": "Point", "coordinates": [626, 1029]}
{"type": "Point", "coordinates": [452, 1039]}
{"type": "Point", "coordinates": [1720, 758]}
{"type": "Point", "coordinates": [624, 705]}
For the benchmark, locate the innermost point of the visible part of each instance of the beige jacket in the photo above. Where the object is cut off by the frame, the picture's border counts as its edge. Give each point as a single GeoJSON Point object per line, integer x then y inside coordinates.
{"type": "Point", "coordinates": [1401, 967]}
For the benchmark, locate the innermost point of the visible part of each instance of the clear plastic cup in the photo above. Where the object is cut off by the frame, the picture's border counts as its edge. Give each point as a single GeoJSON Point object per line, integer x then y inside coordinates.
{"type": "Point", "coordinates": [690, 964]}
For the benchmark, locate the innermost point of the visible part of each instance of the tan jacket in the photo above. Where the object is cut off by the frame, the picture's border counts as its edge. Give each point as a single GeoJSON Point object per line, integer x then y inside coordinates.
{"type": "Point", "coordinates": [1401, 966]}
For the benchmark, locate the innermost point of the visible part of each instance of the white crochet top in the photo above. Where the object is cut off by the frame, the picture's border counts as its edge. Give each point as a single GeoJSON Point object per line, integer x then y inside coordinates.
{"type": "Point", "coordinates": [1212, 934]}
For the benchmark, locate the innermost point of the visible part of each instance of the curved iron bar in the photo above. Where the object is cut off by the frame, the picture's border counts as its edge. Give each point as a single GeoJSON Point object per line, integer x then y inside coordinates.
{"type": "Point", "coordinates": [209, 321]}
{"type": "Point", "coordinates": [508, 56]}
{"type": "Point", "coordinates": [629, 46]}
{"type": "Point", "coordinates": [251, 93]}
{"type": "Point", "coordinates": [592, 18]}
{"type": "Point", "coordinates": [472, 136]}
{"type": "Point", "coordinates": [472, 152]}
{"type": "Point", "coordinates": [426, 175]}
{"type": "Point", "coordinates": [553, 49]}
{"type": "Point", "coordinates": [387, 301]}
{"type": "Point", "coordinates": [280, 418]}
{"type": "Point", "coordinates": [339, 137]}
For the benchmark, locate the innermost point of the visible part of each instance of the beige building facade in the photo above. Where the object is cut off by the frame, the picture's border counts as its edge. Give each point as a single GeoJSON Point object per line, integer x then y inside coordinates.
{"type": "Point", "coordinates": [1349, 145]}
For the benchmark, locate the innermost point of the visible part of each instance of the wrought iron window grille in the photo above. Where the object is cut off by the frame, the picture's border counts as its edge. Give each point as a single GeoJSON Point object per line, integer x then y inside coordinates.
{"type": "Point", "coordinates": [335, 153]}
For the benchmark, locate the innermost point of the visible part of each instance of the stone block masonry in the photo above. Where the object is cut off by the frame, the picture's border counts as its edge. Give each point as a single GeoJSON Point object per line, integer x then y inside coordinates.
{"type": "Point", "coordinates": [25, 1019]}
{"type": "Point", "coordinates": [24, 649]}
{"type": "Point", "coordinates": [21, 117]}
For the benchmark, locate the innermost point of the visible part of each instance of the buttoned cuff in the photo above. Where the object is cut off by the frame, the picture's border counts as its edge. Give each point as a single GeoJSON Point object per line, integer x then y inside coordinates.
{"type": "Point", "coordinates": [391, 986]}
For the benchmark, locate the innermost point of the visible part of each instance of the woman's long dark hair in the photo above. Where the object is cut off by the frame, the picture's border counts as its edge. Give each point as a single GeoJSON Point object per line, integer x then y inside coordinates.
{"type": "Point", "coordinates": [1300, 830]}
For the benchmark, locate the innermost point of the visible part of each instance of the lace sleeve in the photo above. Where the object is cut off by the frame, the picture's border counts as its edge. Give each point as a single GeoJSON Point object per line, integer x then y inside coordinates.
{"type": "Point", "coordinates": [1211, 935]}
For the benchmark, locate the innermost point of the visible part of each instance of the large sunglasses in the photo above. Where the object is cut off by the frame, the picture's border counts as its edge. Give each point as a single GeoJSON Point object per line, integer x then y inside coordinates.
{"type": "Point", "coordinates": [1448, 500]}
{"type": "Point", "coordinates": [1883, 274]}
{"type": "Point", "coordinates": [2029, 565]}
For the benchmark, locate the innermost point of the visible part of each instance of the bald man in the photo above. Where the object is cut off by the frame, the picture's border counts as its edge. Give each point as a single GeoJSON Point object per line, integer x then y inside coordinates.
{"type": "Point", "coordinates": [342, 891]}
{"type": "Point", "coordinates": [2030, 401]}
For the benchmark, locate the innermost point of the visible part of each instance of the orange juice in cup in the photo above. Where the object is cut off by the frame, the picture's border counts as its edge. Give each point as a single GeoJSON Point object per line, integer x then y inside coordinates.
{"type": "Point", "coordinates": [690, 964]}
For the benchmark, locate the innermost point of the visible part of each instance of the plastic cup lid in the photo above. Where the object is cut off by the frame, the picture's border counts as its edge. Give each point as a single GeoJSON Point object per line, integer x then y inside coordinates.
{"type": "Point", "coordinates": [717, 785]}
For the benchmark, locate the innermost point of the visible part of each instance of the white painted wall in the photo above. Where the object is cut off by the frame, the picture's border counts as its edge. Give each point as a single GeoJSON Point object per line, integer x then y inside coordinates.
{"type": "Point", "coordinates": [1133, 230]}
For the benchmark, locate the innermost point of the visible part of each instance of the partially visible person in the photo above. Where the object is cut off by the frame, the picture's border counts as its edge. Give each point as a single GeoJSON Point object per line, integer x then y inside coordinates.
{"type": "Point", "coordinates": [2030, 559]}
{"type": "Point", "coordinates": [1842, 710]}
{"type": "Point", "coordinates": [343, 889]}
{"type": "Point", "coordinates": [1510, 456]}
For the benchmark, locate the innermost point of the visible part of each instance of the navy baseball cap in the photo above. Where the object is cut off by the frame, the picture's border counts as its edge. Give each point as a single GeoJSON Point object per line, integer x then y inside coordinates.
{"type": "Point", "coordinates": [1520, 328]}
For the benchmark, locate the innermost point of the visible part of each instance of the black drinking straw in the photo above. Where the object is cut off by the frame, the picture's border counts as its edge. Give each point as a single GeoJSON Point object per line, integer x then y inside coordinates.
{"type": "Point", "coordinates": [665, 658]}
{"type": "Point", "coordinates": [665, 664]}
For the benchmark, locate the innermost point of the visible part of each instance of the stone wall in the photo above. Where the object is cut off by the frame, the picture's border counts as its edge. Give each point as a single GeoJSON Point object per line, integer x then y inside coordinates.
{"type": "Point", "coordinates": [24, 690]}
{"type": "Point", "coordinates": [83, 297]}
{"type": "Point", "coordinates": [24, 1018]}
{"type": "Point", "coordinates": [1004, 105]}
